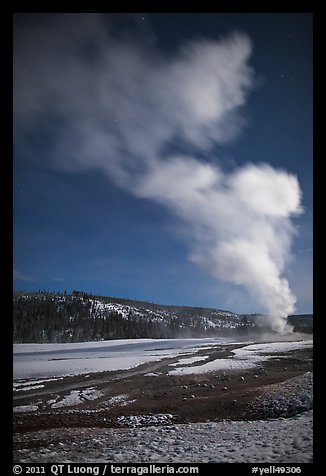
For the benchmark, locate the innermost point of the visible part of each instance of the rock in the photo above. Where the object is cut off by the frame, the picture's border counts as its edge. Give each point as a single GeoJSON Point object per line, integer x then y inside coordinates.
{"type": "Point", "coordinates": [241, 378]}
{"type": "Point", "coordinates": [225, 388]}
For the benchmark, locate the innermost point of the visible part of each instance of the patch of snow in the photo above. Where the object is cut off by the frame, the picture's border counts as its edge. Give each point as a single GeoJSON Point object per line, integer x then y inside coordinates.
{"type": "Point", "coordinates": [244, 358]}
{"type": "Point", "coordinates": [273, 347]}
{"type": "Point", "coordinates": [121, 400]}
{"type": "Point", "coordinates": [25, 408]}
{"type": "Point", "coordinates": [28, 387]}
{"type": "Point", "coordinates": [26, 383]}
{"type": "Point", "coordinates": [101, 307]}
{"type": "Point", "coordinates": [75, 397]}
{"type": "Point", "coordinates": [53, 400]}
{"type": "Point", "coordinates": [218, 364]}
{"type": "Point", "coordinates": [189, 360]}
{"type": "Point", "coordinates": [134, 421]}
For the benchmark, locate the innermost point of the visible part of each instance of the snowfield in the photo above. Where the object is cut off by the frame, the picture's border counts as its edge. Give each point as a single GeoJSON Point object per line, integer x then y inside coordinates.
{"type": "Point", "coordinates": [257, 410]}
{"type": "Point", "coordinates": [56, 360]}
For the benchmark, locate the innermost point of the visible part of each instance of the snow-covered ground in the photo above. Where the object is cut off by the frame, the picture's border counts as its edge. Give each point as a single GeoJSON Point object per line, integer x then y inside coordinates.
{"type": "Point", "coordinates": [273, 441]}
{"type": "Point", "coordinates": [56, 360]}
{"type": "Point", "coordinates": [268, 440]}
{"type": "Point", "coordinates": [246, 357]}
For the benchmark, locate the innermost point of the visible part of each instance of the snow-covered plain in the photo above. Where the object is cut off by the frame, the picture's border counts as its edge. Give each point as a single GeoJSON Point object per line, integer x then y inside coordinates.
{"type": "Point", "coordinates": [35, 361]}
{"type": "Point", "coordinates": [275, 440]}
{"type": "Point", "coordinates": [57, 360]}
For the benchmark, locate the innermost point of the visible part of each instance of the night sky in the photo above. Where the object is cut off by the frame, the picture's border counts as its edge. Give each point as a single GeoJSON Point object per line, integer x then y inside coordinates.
{"type": "Point", "coordinates": [165, 157]}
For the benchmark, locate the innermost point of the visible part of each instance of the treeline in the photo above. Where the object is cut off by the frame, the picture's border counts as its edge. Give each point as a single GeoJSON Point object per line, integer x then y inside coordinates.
{"type": "Point", "coordinates": [52, 317]}
{"type": "Point", "coordinates": [45, 317]}
{"type": "Point", "coordinates": [302, 323]}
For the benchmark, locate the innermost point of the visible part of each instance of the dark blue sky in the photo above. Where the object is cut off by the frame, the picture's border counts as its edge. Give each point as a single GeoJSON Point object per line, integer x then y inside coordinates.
{"type": "Point", "coordinates": [76, 227]}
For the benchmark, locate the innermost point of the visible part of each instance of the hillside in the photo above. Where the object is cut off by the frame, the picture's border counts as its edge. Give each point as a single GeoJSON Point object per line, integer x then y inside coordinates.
{"type": "Point", "coordinates": [61, 317]}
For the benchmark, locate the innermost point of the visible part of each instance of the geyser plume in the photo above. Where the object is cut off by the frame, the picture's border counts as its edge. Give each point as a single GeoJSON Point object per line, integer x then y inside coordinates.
{"type": "Point", "coordinates": [238, 224]}
{"type": "Point", "coordinates": [123, 108]}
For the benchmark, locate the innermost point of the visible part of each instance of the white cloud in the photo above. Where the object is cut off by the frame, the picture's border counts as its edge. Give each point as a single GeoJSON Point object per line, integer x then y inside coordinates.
{"type": "Point", "coordinates": [20, 276]}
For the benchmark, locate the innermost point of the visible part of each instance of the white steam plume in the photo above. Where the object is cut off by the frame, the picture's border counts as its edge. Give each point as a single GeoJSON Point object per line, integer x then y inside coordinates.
{"type": "Point", "coordinates": [122, 108]}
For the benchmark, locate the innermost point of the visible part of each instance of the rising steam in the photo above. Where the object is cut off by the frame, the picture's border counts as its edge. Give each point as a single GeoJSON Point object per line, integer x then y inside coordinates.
{"type": "Point", "coordinates": [123, 108]}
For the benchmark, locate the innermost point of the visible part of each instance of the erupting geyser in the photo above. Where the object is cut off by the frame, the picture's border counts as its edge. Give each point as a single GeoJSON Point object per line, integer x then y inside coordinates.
{"type": "Point", "coordinates": [122, 113]}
